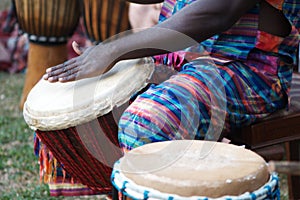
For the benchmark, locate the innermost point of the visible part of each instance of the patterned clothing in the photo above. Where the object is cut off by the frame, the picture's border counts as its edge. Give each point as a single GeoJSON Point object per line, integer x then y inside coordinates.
{"type": "Point", "coordinates": [52, 173]}
{"type": "Point", "coordinates": [247, 76]}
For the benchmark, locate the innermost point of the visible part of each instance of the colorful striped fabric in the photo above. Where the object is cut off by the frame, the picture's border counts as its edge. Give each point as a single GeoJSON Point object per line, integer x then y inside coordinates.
{"type": "Point", "coordinates": [242, 38]}
{"type": "Point", "coordinates": [167, 9]}
{"type": "Point", "coordinates": [246, 77]}
{"type": "Point", "coordinates": [68, 187]}
{"type": "Point", "coordinates": [237, 42]}
{"type": "Point", "coordinates": [80, 170]}
{"type": "Point", "coordinates": [52, 173]}
{"type": "Point", "coordinates": [201, 102]}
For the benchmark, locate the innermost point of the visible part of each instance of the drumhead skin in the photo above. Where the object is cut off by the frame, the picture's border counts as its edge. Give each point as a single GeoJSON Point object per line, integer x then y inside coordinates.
{"type": "Point", "coordinates": [57, 106]}
{"type": "Point", "coordinates": [190, 168]}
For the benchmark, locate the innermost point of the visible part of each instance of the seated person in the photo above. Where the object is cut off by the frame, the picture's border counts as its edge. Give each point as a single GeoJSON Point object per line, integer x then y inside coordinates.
{"type": "Point", "coordinates": [242, 72]}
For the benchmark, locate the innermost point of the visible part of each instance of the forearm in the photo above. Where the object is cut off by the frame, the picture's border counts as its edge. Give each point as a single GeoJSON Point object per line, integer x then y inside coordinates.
{"type": "Point", "coordinates": [186, 28]}
{"type": "Point", "coordinates": [189, 26]}
{"type": "Point", "coordinates": [150, 42]}
{"type": "Point", "coordinates": [205, 18]}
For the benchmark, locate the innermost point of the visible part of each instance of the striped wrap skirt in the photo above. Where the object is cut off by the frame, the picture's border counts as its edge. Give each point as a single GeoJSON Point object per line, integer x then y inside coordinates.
{"type": "Point", "coordinates": [204, 100]}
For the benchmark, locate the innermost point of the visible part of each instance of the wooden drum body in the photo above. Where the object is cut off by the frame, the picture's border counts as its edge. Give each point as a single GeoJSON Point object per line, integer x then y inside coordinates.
{"type": "Point", "coordinates": [48, 24]}
{"type": "Point", "coordinates": [105, 18]}
{"type": "Point", "coordinates": [76, 123]}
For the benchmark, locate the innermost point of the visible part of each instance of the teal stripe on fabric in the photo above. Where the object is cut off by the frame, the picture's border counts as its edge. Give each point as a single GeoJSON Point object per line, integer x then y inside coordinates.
{"type": "Point", "coordinates": [143, 123]}
{"type": "Point", "coordinates": [253, 81]}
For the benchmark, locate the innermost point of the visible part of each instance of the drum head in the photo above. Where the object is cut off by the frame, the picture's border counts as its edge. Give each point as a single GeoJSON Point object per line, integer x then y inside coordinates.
{"type": "Point", "coordinates": [190, 168]}
{"type": "Point", "coordinates": [57, 106]}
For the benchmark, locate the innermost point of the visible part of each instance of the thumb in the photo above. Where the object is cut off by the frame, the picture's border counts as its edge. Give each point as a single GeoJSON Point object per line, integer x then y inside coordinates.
{"type": "Point", "coordinates": [77, 48]}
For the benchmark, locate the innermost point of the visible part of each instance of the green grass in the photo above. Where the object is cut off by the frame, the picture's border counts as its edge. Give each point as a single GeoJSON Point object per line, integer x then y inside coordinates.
{"type": "Point", "coordinates": [19, 168]}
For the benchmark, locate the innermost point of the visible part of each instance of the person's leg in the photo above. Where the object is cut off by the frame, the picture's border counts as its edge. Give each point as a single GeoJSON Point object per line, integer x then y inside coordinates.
{"type": "Point", "coordinates": [179, 108]}
{"type": "Point", "coordinates": [199, 103]}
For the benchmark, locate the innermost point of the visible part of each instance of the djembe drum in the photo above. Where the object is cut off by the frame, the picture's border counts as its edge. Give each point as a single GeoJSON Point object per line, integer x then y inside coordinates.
{"type": "Point", "coordinates": [105, 18]}
{"type": "Point", "coordinates": [193, 169]}
{"type": "Point", "coordinates": [48, 24]}
{"type": "Point", "coordinates": [76, 123]}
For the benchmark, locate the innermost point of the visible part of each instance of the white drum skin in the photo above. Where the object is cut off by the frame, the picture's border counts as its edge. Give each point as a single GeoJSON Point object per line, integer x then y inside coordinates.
{"type": "Point", "coordinates": [189, 169]}
{"type": "Point", "coordinates": [56, 106]}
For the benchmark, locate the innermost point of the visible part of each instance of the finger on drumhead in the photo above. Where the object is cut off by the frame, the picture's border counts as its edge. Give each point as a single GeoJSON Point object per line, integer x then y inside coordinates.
{"type": "Point", "coordinates": [45, 76]}
{"type": "Point", "coordinates": [67, 78]}
{"type": "Point", "coordinates": [68, 73]}
{"type": "Point", "coordinates": [52, 79]}
{"type": "Point", "coordinates": [61, 66]}
{"type": "Point", "coordinates": [53, 68]}
{"type": "Point", "coordinates": [53, 73]}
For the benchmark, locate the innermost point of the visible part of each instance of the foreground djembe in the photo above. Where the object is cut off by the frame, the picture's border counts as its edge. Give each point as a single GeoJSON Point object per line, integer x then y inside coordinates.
{"type": "Point", "coordinates": [48, 24]}
{"type": "Point", "coordinates": [102, 19]}
{"type": "Point", "coordinates": [75, 121]}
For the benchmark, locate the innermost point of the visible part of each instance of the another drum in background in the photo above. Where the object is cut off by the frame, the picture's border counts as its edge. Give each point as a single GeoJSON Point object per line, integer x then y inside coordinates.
{"type": "Point", "coordinates": [75, 121]}
{"type": "Point", "coordinates": [48, 24]}
{"type": "Point", "coordinates": [193, 169]}
{"type": "Point", "coordinates": [105, 18]}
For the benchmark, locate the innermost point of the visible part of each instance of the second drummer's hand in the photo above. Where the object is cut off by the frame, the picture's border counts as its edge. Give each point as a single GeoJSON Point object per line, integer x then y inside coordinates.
{"type": "Point", "coordinates": [83, 66]}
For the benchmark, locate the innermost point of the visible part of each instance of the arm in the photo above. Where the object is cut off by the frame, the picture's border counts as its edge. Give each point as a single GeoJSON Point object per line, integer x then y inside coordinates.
{"type": "Point", "coordinates": [194, 23]}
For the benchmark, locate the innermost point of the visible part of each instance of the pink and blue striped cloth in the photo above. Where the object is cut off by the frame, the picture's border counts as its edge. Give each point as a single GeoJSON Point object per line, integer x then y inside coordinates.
{"type": "Point", "coordinates": [246, 77]}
